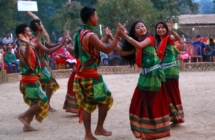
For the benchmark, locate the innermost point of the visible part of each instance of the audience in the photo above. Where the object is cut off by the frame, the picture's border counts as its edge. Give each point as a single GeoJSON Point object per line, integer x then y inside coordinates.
{"type": "Point", "coordinates": [10, 59]}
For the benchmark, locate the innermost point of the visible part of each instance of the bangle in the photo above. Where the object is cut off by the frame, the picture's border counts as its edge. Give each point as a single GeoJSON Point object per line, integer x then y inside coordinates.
{"type": "Point", "coordinates": [129, 39]}
{"type": "Point", "coordinates": [117, 38]}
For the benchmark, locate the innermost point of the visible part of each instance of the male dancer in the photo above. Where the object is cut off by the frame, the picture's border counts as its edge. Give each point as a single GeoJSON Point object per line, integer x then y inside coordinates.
{"type": "Point", "coordinates": [30, 86]}
{"type": "Point", "coordinates": [89, 87]}
{"type": "Point", "coordinates": [49, 84]}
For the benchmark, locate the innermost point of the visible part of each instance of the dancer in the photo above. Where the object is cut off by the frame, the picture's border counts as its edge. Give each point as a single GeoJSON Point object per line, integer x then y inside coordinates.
{"type": "Point", "coordinates": [167, 54]}
{"type": "Point", "coordinates": [48, 82]}
{"type": "Point", "coordinates": [90, 89]}
{"type": "Point", "coordinates": [149, 114]}
{"type": "Point", "coordinates": [70, 103]}
{"type": "Point", "coordinates": [30, 87]}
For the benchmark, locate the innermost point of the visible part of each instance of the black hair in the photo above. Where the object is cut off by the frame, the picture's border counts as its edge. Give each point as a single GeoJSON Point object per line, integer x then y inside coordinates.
{"type": "Point", "coordinates": [20, 29]}
{"type": "Point", "coordinates": [63, 32]}
{"type": "Point", "coordinates": [157, 37]}
{"type": "Point", "coordinates": [126, 46]}
{"type": "Point", "coordinates": [33, 26]}
{"type": "Point", "coordinates": [86, 13]}
{"type": "Point", "coordinates": [198, 36]}
{"type": "Point", "coordinates": [211, 41]}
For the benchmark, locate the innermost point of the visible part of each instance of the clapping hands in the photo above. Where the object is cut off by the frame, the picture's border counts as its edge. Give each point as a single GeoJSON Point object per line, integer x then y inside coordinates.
{"type": "Point", "coordinates": [120, 30]}
{"type": "Point", "coordinates": [109, 33]}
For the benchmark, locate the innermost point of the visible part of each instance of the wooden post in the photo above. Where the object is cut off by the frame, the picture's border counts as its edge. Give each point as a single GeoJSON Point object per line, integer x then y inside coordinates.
{"type": "Point", "coordinates": [4, 74]}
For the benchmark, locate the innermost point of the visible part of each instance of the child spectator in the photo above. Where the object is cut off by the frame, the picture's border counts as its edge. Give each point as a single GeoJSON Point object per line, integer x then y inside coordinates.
{"type": "Point", "coordinates": [181, 47]}
{"type": "Point", "coordinates": [10, 59]}
{"type": "Point", "coordinates": [70, 60]}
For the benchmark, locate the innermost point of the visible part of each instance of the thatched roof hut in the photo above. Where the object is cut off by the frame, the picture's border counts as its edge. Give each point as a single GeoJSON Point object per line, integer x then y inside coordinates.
{"type": "Point", "coordinates": [208, 19]}
{"type": "Point", "coordinates": [191, 25]}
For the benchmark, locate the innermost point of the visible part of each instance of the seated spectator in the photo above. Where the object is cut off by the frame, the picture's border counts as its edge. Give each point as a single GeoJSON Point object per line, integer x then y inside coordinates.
{"type": "Point", "coordinates": [63, 33]}
{"type": "Point", "coordinates": [4, 47]}
{"type": "Point", "coordinates": [210, 50]}
{"type": "Point", "coordinates": [183, 37]}
{"type": "Point", "coordinates": [199, 44]}
{"type": "Point", "coordinates": [70, 60]}
{"type": "Point", "coordinates": [115, 58]}
{"type": "Point", "coordinates": [7, 39]}
{"type": "Point", "coordinates": [104, 59]}
{"type": "Point", "coordinates": [9, 45]}
{"type": "Point", "coordinates": [10, 59]}
{"type": "Point", "coordinates": [208, 41]}
{"type": "Point", "coordinates": [182, 50]}
{"type": "Point", "coordinates": [60, 53]}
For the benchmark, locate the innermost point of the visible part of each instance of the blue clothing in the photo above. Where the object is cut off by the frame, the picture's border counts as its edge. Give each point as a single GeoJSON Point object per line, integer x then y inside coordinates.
{"type": "Point", "coordinates": [10, 66]}
{"type": "Point", "coordinates": [202, 46]}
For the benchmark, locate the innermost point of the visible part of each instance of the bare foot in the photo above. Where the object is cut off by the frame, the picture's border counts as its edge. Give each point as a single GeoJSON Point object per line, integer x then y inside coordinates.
{"type": "Point", "coordinates": [29, 128]}
{"type": "Point", "coordinates": [23, 120]}
{"type": "Point", "coordinates": [52, 109]}
{"type": "Point", "coordinates": [171, 118]}
{"type": "Point", "coordinates": [102, 132]}
{"type": "Point", "coordinates": [177, 119]}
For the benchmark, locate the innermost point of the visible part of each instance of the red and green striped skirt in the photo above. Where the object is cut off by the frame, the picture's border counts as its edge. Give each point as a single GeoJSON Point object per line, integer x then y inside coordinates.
{"type": "Point", "coordinates": [149, 114]}
{"type": "Point", "coordinates": [70, 104]}
{"type": "Point", "coordinates": [176, 108]}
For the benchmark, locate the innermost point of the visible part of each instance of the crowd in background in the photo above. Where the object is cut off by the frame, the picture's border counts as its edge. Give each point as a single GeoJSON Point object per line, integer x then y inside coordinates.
{"type": "Point", "coordinates": [198, 47]}
{"type": "Point", "coordinates": [9, 55]}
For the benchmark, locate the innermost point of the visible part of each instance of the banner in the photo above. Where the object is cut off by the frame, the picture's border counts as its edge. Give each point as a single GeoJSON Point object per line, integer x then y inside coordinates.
{"type": "Point", "coordinates": [27, 6]}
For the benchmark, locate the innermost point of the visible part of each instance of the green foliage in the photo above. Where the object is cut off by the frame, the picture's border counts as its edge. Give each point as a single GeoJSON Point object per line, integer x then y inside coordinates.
{"type": "Point", "coordinates": [170, 9]}
{"type": "Point", "coordinates": [111, 12]}
{"type": "Point", "coordinates": [86, 2]}
{"type": "Point", "coordinates": [7, 20]}
{"type": "Point", "coordinates": [68, 16]}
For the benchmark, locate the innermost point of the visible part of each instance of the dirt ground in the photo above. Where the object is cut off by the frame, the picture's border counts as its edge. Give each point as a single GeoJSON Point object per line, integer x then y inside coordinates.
{"type": "Point", "coordinates": [197, 92]}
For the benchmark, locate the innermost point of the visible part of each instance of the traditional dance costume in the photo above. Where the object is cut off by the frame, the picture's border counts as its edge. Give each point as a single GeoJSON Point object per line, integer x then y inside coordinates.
{"type": "Point", "coordinates": [89, 86]}
{"type": "Point", "coordinates": [30, 86]}
{"type": "Point", "coordinates": [149, 114]}
{"type": "Point", "coordinates": [168, 53]}
{"type": "Point", "coordinates": [46, 79]}
{"type": "Point", "coordinates": [70, 104]}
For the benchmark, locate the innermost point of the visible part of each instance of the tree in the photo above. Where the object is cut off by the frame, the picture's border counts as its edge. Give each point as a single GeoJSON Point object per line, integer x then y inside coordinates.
{"type": "Point", "coordinates": [68, 16]}
{"type": "Point", "coordinates": [111, 12]}
{"type": "Point", "coordinates": [172, 8]}
{"type": "Point", "coordinates": [7, 22]}
{"type": "Point", "coordinates": [86, 2]}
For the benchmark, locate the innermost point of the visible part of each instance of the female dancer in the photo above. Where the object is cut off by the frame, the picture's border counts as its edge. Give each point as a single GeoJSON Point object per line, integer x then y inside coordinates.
{"type": "Point", "coordinates": [70, 103]}
{"type": "Point", "coordinates": [149, 114]}
{"type": "Point", "coordinates": [167, 54]}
